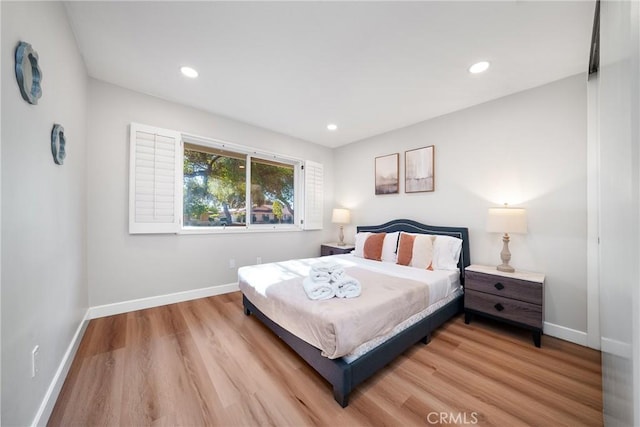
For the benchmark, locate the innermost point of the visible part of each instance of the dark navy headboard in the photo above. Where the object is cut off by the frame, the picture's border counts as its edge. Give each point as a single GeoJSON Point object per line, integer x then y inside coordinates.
{"type": "Point", "coordinates": [415, 227]}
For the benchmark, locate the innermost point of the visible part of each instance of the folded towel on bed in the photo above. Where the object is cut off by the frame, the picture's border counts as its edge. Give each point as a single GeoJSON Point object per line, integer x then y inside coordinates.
{"type": "Point", "coordinates": [337, 275]}
{"type": "Point", "coordinates": [325, 277]}
{"type": "Point", "coordinates": [318, 290]}
{"type": "Point", "coordinates": [334, 270]}
{"type": "Point", "coordinates": [320, 276]}
{"type": "Point", "coordinates": [347, 287]}
{"type": "Point", "coordinates": [326, 266]}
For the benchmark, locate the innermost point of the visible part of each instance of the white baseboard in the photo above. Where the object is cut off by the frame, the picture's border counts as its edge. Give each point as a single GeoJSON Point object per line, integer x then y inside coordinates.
{"type": "Point", "coordinates": [617, 348]}
{"type": "Point", "coordinates": [564, 333]}
{"type": "Point", "coordinates": [150, 302]}
{"type": "Point", "coordinates": [51, 396]}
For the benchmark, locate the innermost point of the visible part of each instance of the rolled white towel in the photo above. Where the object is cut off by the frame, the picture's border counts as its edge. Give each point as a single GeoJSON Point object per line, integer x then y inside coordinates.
{"type": "Point", "coordinates": [337, 275]}
{"type": "Point", "coordinates": [320, 276]}
{"type": "Point", "coordinates": [347, 287]}
{"type": "Point", "coordinates": [325, 266]}
{"type": "Point", "coordinates": [318, 290]}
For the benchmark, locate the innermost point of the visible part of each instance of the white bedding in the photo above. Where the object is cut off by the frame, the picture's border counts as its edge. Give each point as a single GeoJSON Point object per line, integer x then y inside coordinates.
{"type": "Point", "coordinates": [441, 282]}
{"type": "Point", "coordinates": [270, 286]}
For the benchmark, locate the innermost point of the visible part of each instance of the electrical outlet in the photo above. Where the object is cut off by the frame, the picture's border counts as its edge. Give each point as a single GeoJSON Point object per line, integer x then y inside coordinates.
{"type": "Point", "coordinates": [259, 260]}
{"type": "Point", "coordinates": [232, 263]}
{"type": "Point", "coordinates": [35, 361]}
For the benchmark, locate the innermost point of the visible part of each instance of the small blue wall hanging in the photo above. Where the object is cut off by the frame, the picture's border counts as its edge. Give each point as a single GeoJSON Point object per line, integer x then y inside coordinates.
{"type": "Point", "coordinates": [58, 143]}
{"type": "Point", "coordinates": [28, 73]}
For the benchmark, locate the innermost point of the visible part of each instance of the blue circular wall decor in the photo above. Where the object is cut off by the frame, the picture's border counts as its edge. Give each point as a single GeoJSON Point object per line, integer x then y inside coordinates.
{"type": "Point", "coordinates": [28, 73]}
{"type": "Point", "coordinates": [58, 143]}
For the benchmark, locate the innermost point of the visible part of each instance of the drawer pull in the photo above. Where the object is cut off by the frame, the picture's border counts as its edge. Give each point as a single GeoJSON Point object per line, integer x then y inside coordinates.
{"type": "Point", "coordinates": [499, 307]}
{"type": "Point", "coordinates": [499, 286]}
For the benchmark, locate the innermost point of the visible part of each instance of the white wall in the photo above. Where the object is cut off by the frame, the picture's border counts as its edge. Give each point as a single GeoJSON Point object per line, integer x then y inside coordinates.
{"type": "Point", "coordinates": [529, 150]}
{"type": "Point", "coordinates": [44, 283]}
{"type": "Point", "coordinates": [619, 211]}
{"type": "Point", "coordinates": [123, 267]}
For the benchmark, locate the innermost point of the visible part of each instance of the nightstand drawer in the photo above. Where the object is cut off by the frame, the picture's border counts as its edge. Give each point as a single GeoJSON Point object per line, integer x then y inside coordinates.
{"type": "Point", "coordinates": [504, 287]}
{"type": "Point", "coordinates": [505, 308]}
{"type": "Point", "coordinates": [334, 249]}
{"type": "Point", "coordinates": [328, 250]}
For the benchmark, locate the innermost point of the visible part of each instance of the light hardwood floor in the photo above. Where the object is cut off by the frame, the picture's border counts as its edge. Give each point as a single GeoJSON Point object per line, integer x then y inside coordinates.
{"type": "Point", "coordinates": [204, 362]}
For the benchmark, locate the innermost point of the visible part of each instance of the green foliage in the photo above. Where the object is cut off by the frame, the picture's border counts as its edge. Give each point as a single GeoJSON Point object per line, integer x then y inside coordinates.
{"type": "Point", "coordinates": [274, 183]}
{"type": "Point", "coordinates": [212, 183]}
{"type": "Point", "coordinates": [216, 183]}
{"type": "Point", "coordinates": [277, 210]}
{"type": "Point", "coordinates": [196, 199]}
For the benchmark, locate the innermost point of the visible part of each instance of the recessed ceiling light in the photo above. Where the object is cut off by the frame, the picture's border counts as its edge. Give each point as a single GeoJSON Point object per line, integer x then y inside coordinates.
{"type": "Point", "coordinates": [189, 72]}
{"type": "Point", "coordinates": [479, 67]}
{"type": "Point", "coordinates": [332, 126]}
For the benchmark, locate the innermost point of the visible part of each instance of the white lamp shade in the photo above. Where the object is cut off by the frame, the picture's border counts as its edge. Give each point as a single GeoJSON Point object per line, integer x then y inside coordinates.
{"type": "Point", "coordinates": [341, 216]}
{"type": "Point", "coordinates": [507, 220]}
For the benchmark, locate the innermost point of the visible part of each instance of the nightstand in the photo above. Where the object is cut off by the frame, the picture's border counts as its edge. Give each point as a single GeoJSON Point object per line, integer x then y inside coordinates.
{"type": "Point", "coordinates": [515, 298]}
{"type": "Point", "coordinates": [335, 249]}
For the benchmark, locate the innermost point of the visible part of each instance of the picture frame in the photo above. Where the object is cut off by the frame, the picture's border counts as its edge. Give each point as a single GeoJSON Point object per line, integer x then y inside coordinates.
{"type": "Point", "coordinates": [419, 172]}
{"type": "Point", "coordinates": [387, 175]}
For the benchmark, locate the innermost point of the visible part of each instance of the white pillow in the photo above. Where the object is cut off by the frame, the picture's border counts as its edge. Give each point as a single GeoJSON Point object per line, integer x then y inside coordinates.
{"type": "Point", "coordinates": [422, 256]}
{"type": "Point", "coordinates": [360, 239]}
{"type": "Point", "coordinates": [446, 253]}
{"type": "Point", "coordinates": [390, 246]}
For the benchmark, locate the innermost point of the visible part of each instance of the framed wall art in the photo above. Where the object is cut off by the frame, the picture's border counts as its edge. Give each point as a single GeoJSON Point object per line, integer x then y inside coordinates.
{"type": "Point", "coordinates": [386, 174]}
{"type": "Point", "coordinates": [419, 173]}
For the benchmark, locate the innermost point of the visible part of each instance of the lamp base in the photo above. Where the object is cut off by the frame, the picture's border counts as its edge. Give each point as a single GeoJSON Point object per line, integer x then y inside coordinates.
{"type": "Point", "coordinates": [505, 256]}
{"type": "Point", "coordinates": [341, 236]}
{"type": "Point", "coordinates": [506, 268]}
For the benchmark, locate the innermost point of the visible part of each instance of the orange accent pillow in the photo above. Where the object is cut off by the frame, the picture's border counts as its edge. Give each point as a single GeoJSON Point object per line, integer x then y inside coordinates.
{"type": "Point", "coordinates": [405, 249]}
{"type": "Point", "coordinates": [373, 246]}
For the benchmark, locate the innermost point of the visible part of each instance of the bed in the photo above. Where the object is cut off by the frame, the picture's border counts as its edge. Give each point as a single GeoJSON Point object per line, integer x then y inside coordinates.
{"type": "Point", "coordinates": [345, 372]}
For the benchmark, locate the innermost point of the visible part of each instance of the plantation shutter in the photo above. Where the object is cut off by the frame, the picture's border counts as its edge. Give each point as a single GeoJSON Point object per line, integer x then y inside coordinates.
{"type": "Point", "coordinates": [313, 195]}
{"type": "Point", "coordinates": [155, 170]}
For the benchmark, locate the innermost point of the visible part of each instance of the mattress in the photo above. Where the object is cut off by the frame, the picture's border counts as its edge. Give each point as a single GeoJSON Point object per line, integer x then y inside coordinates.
{"type": "Point", "coordinates": [392, 297]}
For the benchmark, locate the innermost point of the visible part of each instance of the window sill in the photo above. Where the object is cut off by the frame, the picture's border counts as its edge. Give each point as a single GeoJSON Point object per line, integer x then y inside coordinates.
{"type": "Point", "coordinates": [240, 230]}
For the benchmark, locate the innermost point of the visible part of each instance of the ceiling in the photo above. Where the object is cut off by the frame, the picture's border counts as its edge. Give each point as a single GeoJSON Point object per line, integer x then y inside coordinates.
{"type": "Point", "coordinates": [369, 67]}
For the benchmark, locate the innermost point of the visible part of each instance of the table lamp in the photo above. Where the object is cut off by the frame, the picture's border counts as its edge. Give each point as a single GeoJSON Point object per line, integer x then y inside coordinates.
{"type": "Point", "coordinates": [341, 216]}
{"type": "Point", "coordinates": [506, 220]}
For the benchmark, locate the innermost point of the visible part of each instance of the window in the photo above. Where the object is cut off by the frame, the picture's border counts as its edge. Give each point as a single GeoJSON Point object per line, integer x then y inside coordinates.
{"type": "Point", "coordinates": [217, 186]}
{"type": "Point", "coordinates": [272, 192]}
{"type": "Point", "coordinates": [214, 187]}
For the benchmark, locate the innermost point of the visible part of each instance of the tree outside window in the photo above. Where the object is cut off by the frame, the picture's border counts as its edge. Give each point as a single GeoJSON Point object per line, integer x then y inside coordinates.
{"type": "Point", "coordinates": [215, 189]}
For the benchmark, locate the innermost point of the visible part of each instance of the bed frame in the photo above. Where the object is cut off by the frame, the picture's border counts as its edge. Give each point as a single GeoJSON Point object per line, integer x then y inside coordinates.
{"type": "Point", "coordinates": [343, 376]}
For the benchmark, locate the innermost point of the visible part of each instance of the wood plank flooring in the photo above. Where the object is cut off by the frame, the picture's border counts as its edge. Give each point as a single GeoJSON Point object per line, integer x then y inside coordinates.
{"type": "Point", "coordinates": [204, 362]}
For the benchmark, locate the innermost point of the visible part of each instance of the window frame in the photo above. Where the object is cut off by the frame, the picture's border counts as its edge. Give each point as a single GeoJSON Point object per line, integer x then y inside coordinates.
{"type": "Point", "coordinates": [249, 153]}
